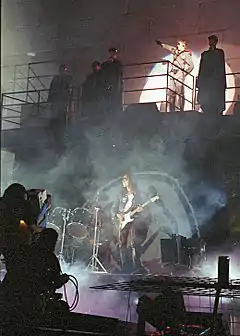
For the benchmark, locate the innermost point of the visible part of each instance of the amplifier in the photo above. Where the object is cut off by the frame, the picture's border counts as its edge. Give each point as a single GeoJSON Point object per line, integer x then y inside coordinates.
{"type": "Point", "coordinates": [174, 250]}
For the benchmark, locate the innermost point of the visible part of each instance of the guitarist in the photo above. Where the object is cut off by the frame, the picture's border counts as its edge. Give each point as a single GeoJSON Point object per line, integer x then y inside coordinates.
{"type": "Point", "coordinates": [126, 235]}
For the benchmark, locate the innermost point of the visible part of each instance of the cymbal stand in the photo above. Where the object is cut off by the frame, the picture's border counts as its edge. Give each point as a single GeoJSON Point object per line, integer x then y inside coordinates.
{"type": "Point", "coordinates": [95, 264]}
{"type": "Point", "coordinates": [65, 216]}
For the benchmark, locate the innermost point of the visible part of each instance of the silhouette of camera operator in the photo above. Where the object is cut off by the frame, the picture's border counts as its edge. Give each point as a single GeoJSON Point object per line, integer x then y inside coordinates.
{"type": "Point", "coordinates": [15, 212]}
{"type": "Point", "coordinates": [33, 272]}
{"type": "Point", "coordinates": [45, 267]}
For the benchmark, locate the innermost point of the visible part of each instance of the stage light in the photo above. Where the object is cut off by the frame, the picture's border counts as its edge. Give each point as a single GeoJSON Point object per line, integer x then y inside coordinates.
{"type": "Point", "coordinates": [149, 95]}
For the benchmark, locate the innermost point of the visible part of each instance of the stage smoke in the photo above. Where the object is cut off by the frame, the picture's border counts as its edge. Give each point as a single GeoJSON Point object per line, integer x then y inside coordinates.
{"type": "Point", "coordinates": [99, 302]}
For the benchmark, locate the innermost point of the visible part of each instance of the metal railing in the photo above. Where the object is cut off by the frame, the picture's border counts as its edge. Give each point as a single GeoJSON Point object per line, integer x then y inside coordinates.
{"type": "Point", "coordinates": [16, 108]}
{"type": "Point", "coordinates": [154, 83]}
{"type": "Point", "coordinates": [141, 84]}
{"type": "Point", "coordinates": [14, 102]}
{"type": "Point", "coordinates": [150, 88]}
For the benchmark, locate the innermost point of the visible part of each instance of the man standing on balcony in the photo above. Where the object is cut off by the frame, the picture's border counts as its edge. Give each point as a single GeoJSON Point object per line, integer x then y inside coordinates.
{"type": "Point", "coordinates": [112, 79]}
{"type": "Point", "coordinates": [182, 65]}
{"type": "Point", "coordinates": [92, 93]}
{"type": "Point", "coordinates": [59, 98]}
{"type": "Point", "coordinates": [211, 81]}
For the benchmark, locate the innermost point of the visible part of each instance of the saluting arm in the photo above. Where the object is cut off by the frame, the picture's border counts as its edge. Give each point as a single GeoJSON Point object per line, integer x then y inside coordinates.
{"type": "Point", "coordinates": [168, 47]}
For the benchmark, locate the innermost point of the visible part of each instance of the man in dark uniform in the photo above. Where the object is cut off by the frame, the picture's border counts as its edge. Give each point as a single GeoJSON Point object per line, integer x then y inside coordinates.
{"type": "Point", "coordinates": [92, 92]}
{"type": "Point", "coordinates": [211, 81]}
{"type": "Point", "coordinates": [59, 98]}
{"type": "Point", "coordinates": [112, 76]}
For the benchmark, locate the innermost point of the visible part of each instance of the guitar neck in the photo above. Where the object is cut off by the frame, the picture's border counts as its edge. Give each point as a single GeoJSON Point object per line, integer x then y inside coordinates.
{"type": "Point", "coordinates": [146, 203]}
{"type": "Point", "coordinates": [143, 206]}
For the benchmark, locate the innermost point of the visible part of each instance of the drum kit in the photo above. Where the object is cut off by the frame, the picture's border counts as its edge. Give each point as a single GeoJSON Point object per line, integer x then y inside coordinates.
{"type": "Point", "coordinates": [79, 229]}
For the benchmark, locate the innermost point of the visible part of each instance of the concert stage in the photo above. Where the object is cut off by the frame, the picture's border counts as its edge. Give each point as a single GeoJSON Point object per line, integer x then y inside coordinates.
{"type": "Point", "coordinates": [118, 296]}
{"type": "Point", "coordinates": [111, 306]}
{"type": "Point", "coordinates": [190, 162]}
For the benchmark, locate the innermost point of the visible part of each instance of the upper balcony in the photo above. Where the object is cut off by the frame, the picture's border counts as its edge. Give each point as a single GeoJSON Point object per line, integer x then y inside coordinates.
{"type": "Point", "coordinates": [26, 105]}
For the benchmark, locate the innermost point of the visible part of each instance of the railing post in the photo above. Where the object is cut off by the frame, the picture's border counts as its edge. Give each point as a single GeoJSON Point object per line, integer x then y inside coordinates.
{"type": "Point", "coordinates": [14, 76]}
{"type": "Point", "coordinates": [194, 94]}
{"type": "Point", "coordinates": [123, 93]}
{"type": "Point", "coordinates": [1, 114]}
{"type": "Point", "coordinates": [166, 106]}
{"type": "Point", "coordinates": [38, 102]}
{"type": "Point", "coordinates": [28, 75]}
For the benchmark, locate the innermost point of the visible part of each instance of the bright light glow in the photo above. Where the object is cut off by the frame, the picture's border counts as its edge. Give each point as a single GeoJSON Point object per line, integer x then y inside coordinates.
{"type": "Point", "coordinates": [149, 95]}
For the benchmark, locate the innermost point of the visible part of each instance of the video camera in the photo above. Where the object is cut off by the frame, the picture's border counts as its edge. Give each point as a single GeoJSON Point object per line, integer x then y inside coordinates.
{"type": "Point", "coordinates": [40, 202]}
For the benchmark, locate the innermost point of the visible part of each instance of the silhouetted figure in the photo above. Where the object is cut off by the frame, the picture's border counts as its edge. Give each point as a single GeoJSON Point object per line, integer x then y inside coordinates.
{"type": "Point", "coordinates": [92, 92]}
{"type": "Point", "coordinates": [33, 275]}
{"type": "Point", "coordinates": [59, 98]}
{"type": "Point", "coordinates": [15, 212]}
{"type": "Point", "coordinates": [112, 76]}
{"type": "Point", "coordinates": [16, 226]}
{"type": "Point", "coordinates": [15, 294]}
{"type": "Point", "coordinates": [44, 267]}
{"type": "Point", "coordinates": [211, 81]}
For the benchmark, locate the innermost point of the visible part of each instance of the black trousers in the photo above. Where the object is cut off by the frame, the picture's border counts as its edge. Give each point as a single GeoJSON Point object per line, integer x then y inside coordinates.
{"type": "Point", "coordinates": [113, 101]}
{"type": "Point", "coordinates": [56, 133]}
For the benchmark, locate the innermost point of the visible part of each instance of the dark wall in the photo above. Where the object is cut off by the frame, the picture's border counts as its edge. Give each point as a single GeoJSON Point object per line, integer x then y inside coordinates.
{"type": "Point", "coordinates": [90, 28]}
{"type": "Point", "coordinates": [85, 29]}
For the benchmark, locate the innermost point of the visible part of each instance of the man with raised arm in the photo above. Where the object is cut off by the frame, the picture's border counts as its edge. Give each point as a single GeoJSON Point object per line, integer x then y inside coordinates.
{"type": "Point", "coordinates": [182, 65]}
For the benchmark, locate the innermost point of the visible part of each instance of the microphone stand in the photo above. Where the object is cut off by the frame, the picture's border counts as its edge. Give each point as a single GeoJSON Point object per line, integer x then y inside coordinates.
{"type": "Point", "coordinates": [95, 263]}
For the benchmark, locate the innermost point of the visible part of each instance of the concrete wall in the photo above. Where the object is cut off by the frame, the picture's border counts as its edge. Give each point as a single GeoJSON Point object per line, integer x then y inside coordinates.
{"type": "Point", "coordinates": [85, 29]}
{"type": "Point", "coordinates": [26, 27]}
{"type": "Point", "coordinates": [133, 25]}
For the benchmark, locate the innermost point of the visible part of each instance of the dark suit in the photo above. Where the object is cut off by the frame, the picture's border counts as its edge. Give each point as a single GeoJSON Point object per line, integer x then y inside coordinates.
{"type": "Point", "coordinates": [112, 77]}
{"type": "Point", "coordinates": [211, 82]}
{"type": "Point", "coordinates": [92, 95]}
{"type": "Point", "coordinates": [59, 98]}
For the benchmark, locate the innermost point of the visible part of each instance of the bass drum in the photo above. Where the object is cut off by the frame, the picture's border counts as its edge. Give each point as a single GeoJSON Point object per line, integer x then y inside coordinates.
{"type": "Point", "coordinates": [82, 215]}
{"type": "Point", "coordinates": [77, 230]}
{"type": "Point", "coordinates": [81, 219]}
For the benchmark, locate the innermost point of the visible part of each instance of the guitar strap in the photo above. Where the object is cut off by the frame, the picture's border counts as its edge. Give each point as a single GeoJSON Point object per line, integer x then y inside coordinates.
{"type": "Point", "coordinates": [129, 203]}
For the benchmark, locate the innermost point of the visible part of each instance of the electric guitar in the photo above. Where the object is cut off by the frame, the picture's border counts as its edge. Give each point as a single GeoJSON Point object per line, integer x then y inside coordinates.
{"type": "Point", "coordinates": [127, 217]}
